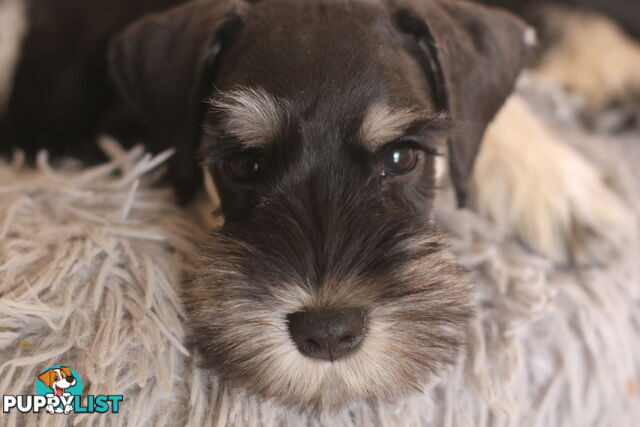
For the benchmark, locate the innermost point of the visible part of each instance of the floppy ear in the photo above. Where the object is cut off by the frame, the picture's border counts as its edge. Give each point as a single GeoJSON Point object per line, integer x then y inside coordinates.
{"type": "Point", "coordinates": [47, 377]}
{"type": "Point", "coordinates": [472, 56]}
{"type": "Point", "coordinates": [164, 66]}
{"type": "Point", "coordinates": [66, 370]}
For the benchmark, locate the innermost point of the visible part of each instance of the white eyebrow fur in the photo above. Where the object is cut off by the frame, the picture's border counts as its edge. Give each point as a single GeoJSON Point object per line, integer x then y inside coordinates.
{"type": "Point", "coordinates": [383, 123]}
{"type": "Point", "coordinates": [251, 115]}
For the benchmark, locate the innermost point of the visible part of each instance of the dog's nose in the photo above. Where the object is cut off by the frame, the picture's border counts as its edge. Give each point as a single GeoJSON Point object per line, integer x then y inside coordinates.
{"type": "Point", "coordinates": [327, 334]}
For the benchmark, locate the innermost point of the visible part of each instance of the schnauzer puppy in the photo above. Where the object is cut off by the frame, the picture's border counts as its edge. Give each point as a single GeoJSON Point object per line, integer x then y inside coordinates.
{"type": "Point", "coordinates": [325, 123]}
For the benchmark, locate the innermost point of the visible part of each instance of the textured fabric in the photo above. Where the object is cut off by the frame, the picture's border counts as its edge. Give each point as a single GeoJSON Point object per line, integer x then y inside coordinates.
{"type": "Point", "coordinates": [92, 262]}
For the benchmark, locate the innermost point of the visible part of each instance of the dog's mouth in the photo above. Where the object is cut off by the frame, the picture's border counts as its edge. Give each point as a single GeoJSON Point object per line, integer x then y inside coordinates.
{"type": "Point", "coordinates": [380, 325]}
{"type": "Point", "coordinates": [58, 391]}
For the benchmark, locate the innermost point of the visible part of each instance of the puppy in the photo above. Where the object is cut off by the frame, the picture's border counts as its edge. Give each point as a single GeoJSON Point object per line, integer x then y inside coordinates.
{"type": "Point", "coordinates": [329, 281]}
{"type": "Point", "coordinates": [58, 380]}
{"type": "Point", "coordinates": [324, 124]}
{"type": "Point", "coordinates": [61, 70]}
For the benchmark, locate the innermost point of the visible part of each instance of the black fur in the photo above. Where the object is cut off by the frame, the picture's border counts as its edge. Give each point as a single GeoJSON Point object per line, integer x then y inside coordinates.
{"type": "Point", "coordinates": [62, 97]}
{"type": "Point", "coordinates": [320, 226]}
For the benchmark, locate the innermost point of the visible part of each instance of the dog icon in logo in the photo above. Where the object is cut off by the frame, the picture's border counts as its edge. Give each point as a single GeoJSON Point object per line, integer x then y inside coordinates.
{"type": "Point", "coordinates": [59, 380]}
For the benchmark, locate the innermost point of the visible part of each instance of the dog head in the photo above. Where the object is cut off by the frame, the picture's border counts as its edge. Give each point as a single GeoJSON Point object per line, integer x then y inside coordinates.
{"type": "Point", "coordinates": [58, 379]}
{"type": "Point", "coordinates": [325, 120]}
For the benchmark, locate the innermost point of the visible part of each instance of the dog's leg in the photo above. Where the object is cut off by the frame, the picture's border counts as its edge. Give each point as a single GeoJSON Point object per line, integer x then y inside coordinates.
{"type": "Point", "coordinates": [541, 190]}
{"type": "Point", "coordinates": [592, 58]}
{"type": "Point", "coordinates": [13, 26]}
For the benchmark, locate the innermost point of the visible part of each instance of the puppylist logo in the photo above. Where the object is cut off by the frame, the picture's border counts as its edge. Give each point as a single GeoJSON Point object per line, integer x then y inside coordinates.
{"type": "Point", "coordinates": [59, 391]}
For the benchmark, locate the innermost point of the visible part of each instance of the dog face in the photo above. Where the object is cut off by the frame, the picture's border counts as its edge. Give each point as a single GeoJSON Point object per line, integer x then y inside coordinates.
{"type": "Point", "coordinates": [329, 280]}
{"type": "Point", "coordinates": [58, 379]}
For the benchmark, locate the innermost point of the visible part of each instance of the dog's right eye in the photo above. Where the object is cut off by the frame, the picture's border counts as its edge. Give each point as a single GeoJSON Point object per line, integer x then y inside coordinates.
{"type": "Point", "coordinates": [398, 160]}
{"type": "Point", "coordinates": [243, 168]}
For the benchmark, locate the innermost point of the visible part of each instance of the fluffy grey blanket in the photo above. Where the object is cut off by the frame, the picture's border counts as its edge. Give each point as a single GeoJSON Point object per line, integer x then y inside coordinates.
{"type": "Point", "coordinates": [92, 261]}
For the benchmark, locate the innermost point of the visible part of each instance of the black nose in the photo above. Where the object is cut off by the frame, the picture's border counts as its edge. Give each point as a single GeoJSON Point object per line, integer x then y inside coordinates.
{"type": "Point", "coordinates": [327, 334]}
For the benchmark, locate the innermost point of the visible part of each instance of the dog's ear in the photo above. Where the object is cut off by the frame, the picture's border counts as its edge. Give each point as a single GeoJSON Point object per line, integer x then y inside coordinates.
{"type": "Point", "coordinates": [47, 377]}
{"type": "Point", "coordinates": [164, 65]}
{"type": "Point", "coordinates": [472, 56]}
{"type": "Point", "coordinates": [66, 370]}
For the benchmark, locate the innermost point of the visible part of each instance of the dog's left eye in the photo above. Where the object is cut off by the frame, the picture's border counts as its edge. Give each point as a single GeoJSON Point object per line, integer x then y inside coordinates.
{"type": "Point", "coordinates": [399, 160]}
{"type": "Point", "coordinates": [243, 168]}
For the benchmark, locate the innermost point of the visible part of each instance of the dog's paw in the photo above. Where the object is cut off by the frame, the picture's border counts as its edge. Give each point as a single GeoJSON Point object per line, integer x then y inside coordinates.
{"type": "Point", "coordinates": [548, 195]}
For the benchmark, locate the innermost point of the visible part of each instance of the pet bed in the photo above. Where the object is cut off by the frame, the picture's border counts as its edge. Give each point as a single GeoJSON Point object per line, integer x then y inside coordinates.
{"type": "Point", "coordinates": [92, 261]}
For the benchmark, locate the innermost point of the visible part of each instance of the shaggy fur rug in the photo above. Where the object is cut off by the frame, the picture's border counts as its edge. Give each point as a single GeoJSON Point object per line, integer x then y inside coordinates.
{"type": "Point", "coordinates": [92, 262]}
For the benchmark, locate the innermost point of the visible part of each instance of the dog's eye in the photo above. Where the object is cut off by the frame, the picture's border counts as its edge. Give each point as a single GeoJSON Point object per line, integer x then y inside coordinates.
{"type": "Point", "coordinates": [243, 168]}
{"type": "Point", "coordinates": [399, 160]}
